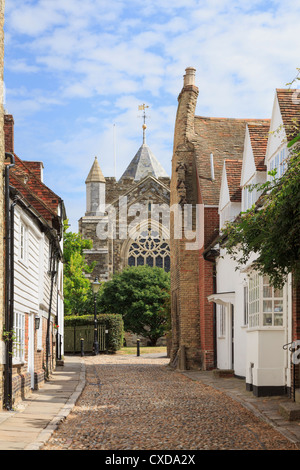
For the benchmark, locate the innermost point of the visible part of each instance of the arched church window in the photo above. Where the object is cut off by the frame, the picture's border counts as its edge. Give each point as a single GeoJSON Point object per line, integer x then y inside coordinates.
{"type": "Point", "coordinates": [149, 250]}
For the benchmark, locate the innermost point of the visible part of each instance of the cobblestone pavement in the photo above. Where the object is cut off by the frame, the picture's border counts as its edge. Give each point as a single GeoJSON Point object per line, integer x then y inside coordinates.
{"type": "Point", "coordinates": [137, 403]}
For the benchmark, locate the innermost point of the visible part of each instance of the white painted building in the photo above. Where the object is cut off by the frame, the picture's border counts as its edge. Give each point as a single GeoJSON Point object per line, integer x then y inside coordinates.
{"type": "Point", "coordinates": [34, 277]}
{"type": "Point", "coordinates": [254, 320]}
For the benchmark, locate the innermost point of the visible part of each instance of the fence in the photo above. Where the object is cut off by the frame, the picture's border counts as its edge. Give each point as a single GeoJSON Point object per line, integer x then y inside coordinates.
{"type": "Point", "coordinates": [74, 334]}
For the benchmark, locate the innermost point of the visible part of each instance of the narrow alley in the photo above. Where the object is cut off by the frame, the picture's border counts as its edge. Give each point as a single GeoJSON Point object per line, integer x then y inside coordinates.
{"type": "Point", "coordinates": [139, 403]}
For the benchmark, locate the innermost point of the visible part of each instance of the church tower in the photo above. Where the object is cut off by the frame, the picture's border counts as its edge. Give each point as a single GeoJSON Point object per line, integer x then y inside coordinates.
{"type": "Point", "coordinates": [95, 191]}
{"type": "Point", "coordinates": [111, 215]}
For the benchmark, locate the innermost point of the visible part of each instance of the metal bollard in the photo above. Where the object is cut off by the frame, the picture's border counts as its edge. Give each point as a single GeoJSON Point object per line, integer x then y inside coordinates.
{"type": "Point", "coordinates": [81, 346]}
{"type": "Point", "coordinates": [137, 347]}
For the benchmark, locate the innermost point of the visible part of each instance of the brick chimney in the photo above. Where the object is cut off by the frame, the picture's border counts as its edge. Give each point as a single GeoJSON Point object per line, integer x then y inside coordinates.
{"type": "Point", "coordinates": [9, 133]}
{"type": "Point", "coordinates": [187, 101]}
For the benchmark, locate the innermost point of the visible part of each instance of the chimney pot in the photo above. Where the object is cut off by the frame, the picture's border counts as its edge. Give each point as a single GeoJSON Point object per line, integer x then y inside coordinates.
{"type": "Point", "coordinates": [189, 77]}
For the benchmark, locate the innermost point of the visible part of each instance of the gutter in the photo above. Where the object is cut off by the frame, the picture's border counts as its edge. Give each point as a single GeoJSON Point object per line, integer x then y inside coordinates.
{"type": "Point", "coordinates": [9, 240]}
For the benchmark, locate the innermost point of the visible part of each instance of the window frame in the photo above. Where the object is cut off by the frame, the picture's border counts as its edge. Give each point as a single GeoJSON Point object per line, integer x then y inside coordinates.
{"type": "Point", "coordinates": [246, 304]}
{"type": "Point", "coordinates": [266, 307]}
{"type": "Point", "coordinates": [278, 162]}
{"type": "Point", "coordinates": [19, 338]}
{"type": "Point", "coordinates": [23, 242]}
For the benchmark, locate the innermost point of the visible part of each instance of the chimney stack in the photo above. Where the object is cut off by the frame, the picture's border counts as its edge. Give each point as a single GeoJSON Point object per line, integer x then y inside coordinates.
{"type": "Point", "coordinates": [9, 133]}
{"type": "Point", "coordinates": [189, 77]}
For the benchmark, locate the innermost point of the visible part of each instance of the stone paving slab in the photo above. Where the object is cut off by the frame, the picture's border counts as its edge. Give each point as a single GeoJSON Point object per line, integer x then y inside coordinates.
{"type": "Point", "coordinates": [36, 418]}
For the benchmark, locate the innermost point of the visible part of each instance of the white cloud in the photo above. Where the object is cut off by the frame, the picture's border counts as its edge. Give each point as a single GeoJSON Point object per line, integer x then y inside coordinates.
{"type": "Point", "coordinates": [94, 62]}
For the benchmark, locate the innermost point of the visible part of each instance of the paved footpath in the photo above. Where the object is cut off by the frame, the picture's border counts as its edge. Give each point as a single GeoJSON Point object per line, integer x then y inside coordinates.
{"type": "Point", "coordinates": [34, 419]}
{"type": "Point", "coordinates": [139, 403]}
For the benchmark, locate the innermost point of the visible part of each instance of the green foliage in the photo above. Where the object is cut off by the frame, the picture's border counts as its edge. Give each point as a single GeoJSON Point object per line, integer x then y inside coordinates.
{"type": "Point", "coordinates": [112, 322]}
{"type": "Point", "coordinates": [77, 288]}
{"type": "Point", "coordinates": [271, 229]}
{"type": "Point", "coordinates": [140, 295]}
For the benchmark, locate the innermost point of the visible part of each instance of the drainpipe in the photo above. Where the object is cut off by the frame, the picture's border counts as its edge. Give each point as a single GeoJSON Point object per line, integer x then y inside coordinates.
{"type": "Point", "coordinates": [8, 289]}
{"type": "Point", "coordinates": [53, 274]}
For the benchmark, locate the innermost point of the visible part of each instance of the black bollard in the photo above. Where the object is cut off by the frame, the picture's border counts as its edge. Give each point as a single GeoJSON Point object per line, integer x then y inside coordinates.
{"type": "Point", "coordinates": [81, 346]}
{"type": "Point", "coordinates": [137, 347]}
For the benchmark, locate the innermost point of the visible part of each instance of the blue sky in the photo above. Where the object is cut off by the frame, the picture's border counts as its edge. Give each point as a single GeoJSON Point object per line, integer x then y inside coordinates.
{"type": "Point", "coordinates": [76, 72]}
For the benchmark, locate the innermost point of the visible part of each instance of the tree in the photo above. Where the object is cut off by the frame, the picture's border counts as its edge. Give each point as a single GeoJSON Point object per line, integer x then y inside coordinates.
{"type": "Point", "coordinates": [140, 294]}
{"type": "Point", "coordinates": [271, 228]}
{"type": "Point", "coordinates": [77, 288]}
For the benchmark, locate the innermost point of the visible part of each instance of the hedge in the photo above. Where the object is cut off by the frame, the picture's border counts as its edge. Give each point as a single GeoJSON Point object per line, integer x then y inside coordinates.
{"type": "Point", "coordinates": [112, 322]}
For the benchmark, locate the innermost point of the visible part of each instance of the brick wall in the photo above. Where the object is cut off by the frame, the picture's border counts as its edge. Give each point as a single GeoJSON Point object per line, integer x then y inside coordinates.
{"type": "Point", "coordinates": [186, 341]}
{"type": "Point", "coordinates": [192, 277]}
{"type": "Point", "coordinates": [9, 133]}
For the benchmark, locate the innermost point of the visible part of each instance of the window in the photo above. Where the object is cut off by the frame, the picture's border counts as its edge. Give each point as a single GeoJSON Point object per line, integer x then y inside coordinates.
{"type": "Point", "coordinates": [249, 196]}
{"type": "Point", "coordinates": [39, 332]}
{"type": "Point", "coordinates": [253, 301]}
{"type": "Point", "coordinates": [272, 304]}
{"type": "Point", "coordinates": [246, 310]}
{"type": "Point", "coordinates": [222, 320]}
{"type": "Point", "coordinates": [266, 304]}
{"type": "Point", "coordinates": [149, 250]}
{"type": "Point", "coordinates": [19, 340]}
{"type": "Point", "coordinates": [279, 163]}
{"type": "Point", "coordinates": [23, 242]}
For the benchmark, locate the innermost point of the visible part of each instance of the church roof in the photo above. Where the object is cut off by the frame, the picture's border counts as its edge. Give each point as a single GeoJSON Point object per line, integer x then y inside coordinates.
{"type": "Point", "coordinates": [95, 175]}
{"type": "Point", "coordinates": [143, 164]}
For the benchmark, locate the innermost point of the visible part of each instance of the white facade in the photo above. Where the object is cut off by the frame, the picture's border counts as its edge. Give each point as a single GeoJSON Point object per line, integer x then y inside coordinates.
{"type": "Point", "coordinates": [32, 293]}
{"type": "Point", "coordinates": [253, 320]}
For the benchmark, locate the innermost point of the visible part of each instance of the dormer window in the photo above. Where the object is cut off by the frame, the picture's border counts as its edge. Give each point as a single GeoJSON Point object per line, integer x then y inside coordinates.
{"type": "Point", "coordinates": [249, 196]}
{"type": "Point", "coordinates": [278, 162]}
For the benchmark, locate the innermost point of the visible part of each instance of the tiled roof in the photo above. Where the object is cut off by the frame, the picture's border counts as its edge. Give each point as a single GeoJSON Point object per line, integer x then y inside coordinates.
{"type": "Point", "coordinates": [34, 191]}
{"type": "Point", "coordinates": [233, 172]}
{"type": "Point", "coordinates": [19, 184]}
{"type": "Point", "coordinates": [259, 133]}
{"type": "Point", "coordinates": [224, 138]}
{"type": "Point", "coordinates": [36, 168]}
{"type": "Point", "coordinates": [289, 103]}
{"type": "Point", "coordinates": [34, 184]}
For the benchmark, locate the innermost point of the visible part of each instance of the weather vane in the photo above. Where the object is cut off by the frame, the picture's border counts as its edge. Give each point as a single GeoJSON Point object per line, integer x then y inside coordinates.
{"type": "Point", "coordinates": [143, 107]}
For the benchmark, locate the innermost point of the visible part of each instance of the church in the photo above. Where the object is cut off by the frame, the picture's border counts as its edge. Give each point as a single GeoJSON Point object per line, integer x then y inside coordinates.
{"type": "Point", "coordinates": [127, 219]}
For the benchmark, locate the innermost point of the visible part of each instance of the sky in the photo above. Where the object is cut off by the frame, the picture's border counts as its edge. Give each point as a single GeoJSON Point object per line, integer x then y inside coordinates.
{"type": "Point", "coordinates": [76, 72]}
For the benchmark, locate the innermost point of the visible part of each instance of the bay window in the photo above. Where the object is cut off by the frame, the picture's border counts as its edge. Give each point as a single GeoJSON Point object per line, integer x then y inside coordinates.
{"type": "Point", "coordinates": [265, 303]}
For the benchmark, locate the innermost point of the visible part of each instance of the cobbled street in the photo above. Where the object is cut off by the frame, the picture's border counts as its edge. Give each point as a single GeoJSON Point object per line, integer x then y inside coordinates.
{"type": "Point", "coordinates": [137, 403]}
